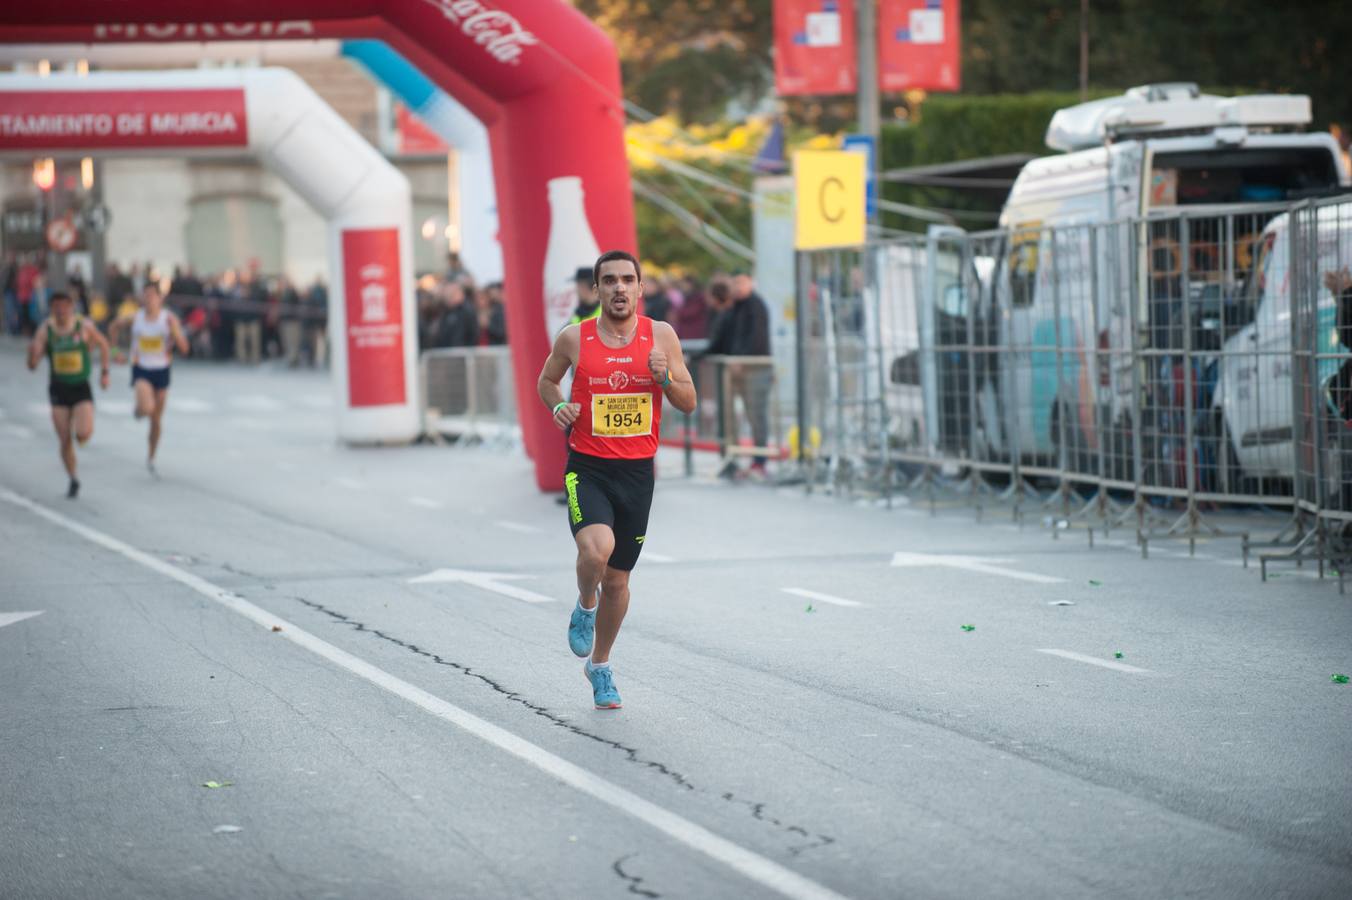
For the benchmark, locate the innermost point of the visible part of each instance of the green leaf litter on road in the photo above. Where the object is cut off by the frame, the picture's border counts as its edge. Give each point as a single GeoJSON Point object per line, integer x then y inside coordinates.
{"type": "Point", "coordinates": [1095, 582]}
{"type": "Point", "coordinates": [216, 784]}
{"type": "Point", "coordinates": [969, 628]}
{"type": "Point", "coordinates": [1340, 679]}
{"type": "Point", "coordinates": [809, 608]}
{"type": "Point", "coordinates": [1117, 655]}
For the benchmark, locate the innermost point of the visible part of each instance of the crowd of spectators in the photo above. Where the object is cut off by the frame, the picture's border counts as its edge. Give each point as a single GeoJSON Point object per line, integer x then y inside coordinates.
{"type": "Point", "coordinates": [245, 315]}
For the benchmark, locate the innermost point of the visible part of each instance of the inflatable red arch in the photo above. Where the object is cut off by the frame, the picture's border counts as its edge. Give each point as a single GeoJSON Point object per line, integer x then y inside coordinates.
{"type": "Point", "coordinates": [543, 79]}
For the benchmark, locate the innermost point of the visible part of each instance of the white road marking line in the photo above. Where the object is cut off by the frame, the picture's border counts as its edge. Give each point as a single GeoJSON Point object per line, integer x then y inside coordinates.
{"type": "Point", "coordinates": [19, 431]}
{"type": "Point", "coordinates": [317, 401]}
{"type": "Point", "coordinates": [983, 564]}
{"type": "Point", "coordinates": [426, 502]}
{"type": "Point", "coordinates": [824, 598]}
{"type": "Point", "coordinates": [11, 618]}
{"type": "Point", "coordinates": [351, 484]}
{"type": "Point", "coordinates": [488, 581]}
{"type": "Point", "coordinates": [750, 865]}
{"type": "Point", "coordinates": [255, 403]}
{"type": "Point", "coordinates": [192, 405]}
{"type": "Point", "coordinates": [650, 556]}
{"type": "Point", "coordinates": [115, 407]}
{"type": "Point", "coordinates": [517, 527]}
{"type": "Point", "coordinates": [1095, 661]}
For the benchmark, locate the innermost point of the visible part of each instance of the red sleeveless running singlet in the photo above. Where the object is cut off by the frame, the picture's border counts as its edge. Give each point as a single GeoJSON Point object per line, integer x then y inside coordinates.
{"type": "Point", "coordinates": [621, 404]}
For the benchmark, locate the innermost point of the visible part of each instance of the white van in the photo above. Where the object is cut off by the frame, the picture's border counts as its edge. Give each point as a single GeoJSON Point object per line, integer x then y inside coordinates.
{"type": "Point", "coordinates": [1254, 396]}
{"type": "Point", "coordinates": [1152, 151]}
{"type": "Point", "coordinates": [926, 292]}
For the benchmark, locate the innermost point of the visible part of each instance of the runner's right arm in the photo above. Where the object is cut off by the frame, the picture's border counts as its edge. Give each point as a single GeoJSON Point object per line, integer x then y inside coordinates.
{"type": "Point", "coordinates": [549, 386]}
{"type": "Point", "coordinates": [115, 335]}
{"type": "Point", "coordinates": [37, 347]}
{"type": "Point", "coordinates": [95, 337]}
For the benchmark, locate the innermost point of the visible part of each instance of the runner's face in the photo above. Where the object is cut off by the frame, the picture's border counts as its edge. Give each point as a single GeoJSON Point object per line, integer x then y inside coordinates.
{"type": "Point", "coordinates": [619, 289]}
{"type": "Point", "coordinates": [63, 311]}
{"type": "Point", "coordinates": [153, 301]}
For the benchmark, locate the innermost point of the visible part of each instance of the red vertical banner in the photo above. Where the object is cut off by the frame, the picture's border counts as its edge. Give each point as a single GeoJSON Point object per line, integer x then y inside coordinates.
{"type": "Point", "coordinates": [374, 320]}
{"type": "Point", "coordinates": [918, 45]}
{"type": "Point", "coordinates": [814, 47]}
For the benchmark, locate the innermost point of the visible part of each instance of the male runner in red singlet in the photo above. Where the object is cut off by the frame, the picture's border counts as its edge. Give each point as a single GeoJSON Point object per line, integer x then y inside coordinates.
{"type": "Point", "coordinates": [623, 365]}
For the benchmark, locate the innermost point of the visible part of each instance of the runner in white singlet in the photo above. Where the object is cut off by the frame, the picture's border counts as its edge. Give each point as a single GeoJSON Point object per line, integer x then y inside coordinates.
{"type": "Point", "coordinates": [155, 334]}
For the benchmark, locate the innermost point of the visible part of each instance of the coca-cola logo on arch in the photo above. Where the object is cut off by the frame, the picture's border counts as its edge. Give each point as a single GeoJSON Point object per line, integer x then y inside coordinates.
{"type": "Point", "coordinates": [496, 31]}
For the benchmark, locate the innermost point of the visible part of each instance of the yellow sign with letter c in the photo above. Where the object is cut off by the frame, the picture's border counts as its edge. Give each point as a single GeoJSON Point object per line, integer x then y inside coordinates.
{"type": "Point", "coordinates": [830, 198]}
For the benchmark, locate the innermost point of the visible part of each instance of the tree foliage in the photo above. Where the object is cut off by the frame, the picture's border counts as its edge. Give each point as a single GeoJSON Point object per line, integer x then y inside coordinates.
{"type": "Point", "coordinates": [691, 56]}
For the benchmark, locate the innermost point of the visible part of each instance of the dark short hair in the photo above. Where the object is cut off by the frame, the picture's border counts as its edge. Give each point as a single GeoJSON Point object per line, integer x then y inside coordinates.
{"type": "Point", "coordinates": [152, 283]}
{"type": "Point", "coordinates": [610, 256]}
{"type": "Point", "coordinates": [59, 295]}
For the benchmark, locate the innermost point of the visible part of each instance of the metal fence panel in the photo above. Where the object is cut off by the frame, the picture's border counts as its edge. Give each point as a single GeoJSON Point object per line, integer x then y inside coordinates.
{"type": "Point", "coordinates": [1147, 367]}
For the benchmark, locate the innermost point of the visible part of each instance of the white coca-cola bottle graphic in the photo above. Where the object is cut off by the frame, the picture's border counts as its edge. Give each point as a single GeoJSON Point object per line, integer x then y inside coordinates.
{"type": "Point", "coordinates": [571, 246]}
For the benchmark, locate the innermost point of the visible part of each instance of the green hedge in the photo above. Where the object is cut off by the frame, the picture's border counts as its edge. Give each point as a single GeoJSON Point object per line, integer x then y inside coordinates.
{"type": "Point", "coordinates": [956, 127]}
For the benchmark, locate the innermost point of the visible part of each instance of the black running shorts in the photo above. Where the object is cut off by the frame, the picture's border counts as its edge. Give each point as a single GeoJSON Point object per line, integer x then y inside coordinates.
{"type": "Point", "coordinates": [62, 393]}
{"type": "Point", "coordinates": [613, 492]}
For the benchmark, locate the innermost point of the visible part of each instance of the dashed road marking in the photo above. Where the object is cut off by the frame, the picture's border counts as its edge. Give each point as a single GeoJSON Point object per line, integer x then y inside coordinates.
{"type": "Point", "coordinates": [12, 617]}
{"type": "Point", "coordinates": [650, 556]}
{"type": "Point", "coordinates": [192, 405]}
{"type": "Point", "coordinates": [1095, 661]}
{"type": "Point", "coordinates": [983, 564]}
{"type": "Point", "coordinates": [255, 403]}
{"type": "Point", "coordinates": [519, 527]}
{"type": "Point", "coordinates": [821, 598]}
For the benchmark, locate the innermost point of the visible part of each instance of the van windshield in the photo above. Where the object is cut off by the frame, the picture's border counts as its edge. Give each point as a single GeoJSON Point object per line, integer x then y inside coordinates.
{"type": "Point", "coordinates": [1242, 175]}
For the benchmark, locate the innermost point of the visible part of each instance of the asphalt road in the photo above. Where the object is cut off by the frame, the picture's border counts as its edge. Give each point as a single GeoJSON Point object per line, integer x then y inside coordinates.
{"type": "Point", "coordinates": [804, 714]}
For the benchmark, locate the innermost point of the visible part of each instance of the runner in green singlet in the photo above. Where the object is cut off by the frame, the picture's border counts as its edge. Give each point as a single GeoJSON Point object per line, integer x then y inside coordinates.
{"type": "Point", "coordinates": [65, 339]}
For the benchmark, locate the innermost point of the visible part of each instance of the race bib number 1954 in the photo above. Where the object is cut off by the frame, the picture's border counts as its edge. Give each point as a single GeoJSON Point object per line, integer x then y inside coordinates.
{"type": "Point", "coordinates": [622, 415]}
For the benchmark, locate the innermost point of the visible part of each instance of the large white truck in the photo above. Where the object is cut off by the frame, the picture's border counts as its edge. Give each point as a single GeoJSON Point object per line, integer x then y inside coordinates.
{"type": "Point", "coordinates": [1153, 151]}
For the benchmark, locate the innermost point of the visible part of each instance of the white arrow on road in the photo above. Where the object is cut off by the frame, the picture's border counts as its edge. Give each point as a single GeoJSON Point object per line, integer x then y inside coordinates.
{"type": "Point", "coordinates": [489, 581]}
{"type": "Point", "coordinates": [11, 618]}
{"type": "Point", "coordinates": [983, 564]}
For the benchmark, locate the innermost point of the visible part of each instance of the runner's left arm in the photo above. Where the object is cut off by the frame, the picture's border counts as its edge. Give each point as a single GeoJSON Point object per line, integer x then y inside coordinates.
{"type": "Point", "coordinates": [176, 331]}
{"type": "Point", "coordinates": [37, 347]}
{"type": "Point", "coordinates": [95, 337]}
{"type": "Point", "coordinates": [667, 360]}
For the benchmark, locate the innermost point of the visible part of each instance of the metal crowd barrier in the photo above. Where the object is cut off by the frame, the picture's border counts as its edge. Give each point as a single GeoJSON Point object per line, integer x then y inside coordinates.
{"type": "Point", "coordinates": [738, 412]}
{"type": "Point", "coordinates": [1137, 373]}
{"type": "Point", "coordinates": [467, 394]}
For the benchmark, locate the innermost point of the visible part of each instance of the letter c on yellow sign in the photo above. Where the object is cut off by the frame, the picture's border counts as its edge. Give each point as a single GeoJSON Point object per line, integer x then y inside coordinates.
{"type": "Point", "coordinates": [839, 213]}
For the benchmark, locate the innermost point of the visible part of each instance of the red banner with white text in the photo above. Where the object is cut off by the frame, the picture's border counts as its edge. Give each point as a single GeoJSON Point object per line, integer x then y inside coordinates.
{"type": "Point", "coordinates": [59, 119]}
{"type": "Point", "coordinates": [814, 47]}
{"type": "Point", "coordinates": [918, 45]}
{"type": "Point", "coordinates": [375, 316]}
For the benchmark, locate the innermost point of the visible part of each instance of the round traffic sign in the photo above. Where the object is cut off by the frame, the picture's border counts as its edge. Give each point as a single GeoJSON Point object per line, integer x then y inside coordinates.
{"type": "Point", "coordinates": [61, 234]}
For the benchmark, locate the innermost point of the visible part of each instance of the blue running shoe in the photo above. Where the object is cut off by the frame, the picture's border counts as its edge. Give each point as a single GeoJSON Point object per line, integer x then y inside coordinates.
{"type": "Point", "coordinates": [603, 686]}
{"type": "Point", "coordinates": [581, 629]}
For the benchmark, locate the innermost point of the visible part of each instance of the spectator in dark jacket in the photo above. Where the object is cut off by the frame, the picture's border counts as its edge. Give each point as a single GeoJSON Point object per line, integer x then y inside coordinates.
{"type": "Point", "coordinates": [458, 325]}
{"type": "Point", "coordinates": [743, 329]}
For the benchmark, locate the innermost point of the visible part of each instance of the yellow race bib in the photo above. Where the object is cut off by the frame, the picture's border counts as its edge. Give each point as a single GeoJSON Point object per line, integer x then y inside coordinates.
{"type": "Point", "coordinates": [151, 343]}
{"type": "Point", "coordinates": [68, 362]}
{"type": "Point", "coordinates": [622, 415]}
